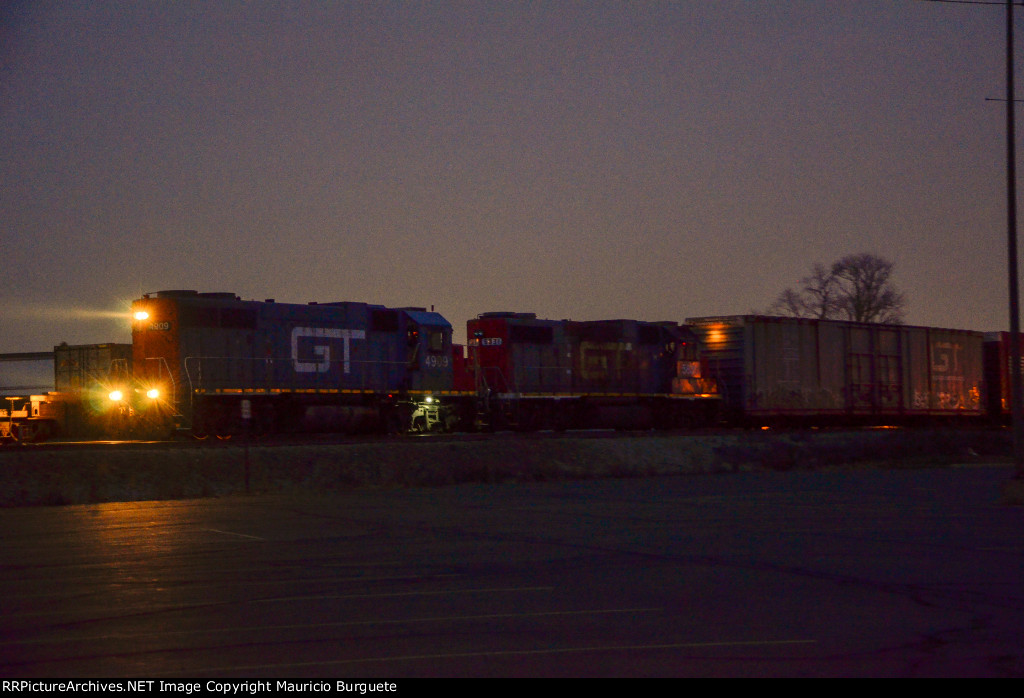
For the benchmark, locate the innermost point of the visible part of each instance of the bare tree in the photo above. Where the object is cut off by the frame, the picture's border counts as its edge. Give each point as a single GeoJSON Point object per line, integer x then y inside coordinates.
{"type": "Point", "coordinates": [857, 287]}
{"type": "Point", "coordinates": [815, 298]}
{"type": "Point", "coordinates": [790, 302]}
{"type": "Point", "coordinates": [865, 290]}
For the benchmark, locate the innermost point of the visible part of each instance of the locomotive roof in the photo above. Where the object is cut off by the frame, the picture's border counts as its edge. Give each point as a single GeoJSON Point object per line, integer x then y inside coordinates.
{"type": "Point", "coordinates": [424, 317]}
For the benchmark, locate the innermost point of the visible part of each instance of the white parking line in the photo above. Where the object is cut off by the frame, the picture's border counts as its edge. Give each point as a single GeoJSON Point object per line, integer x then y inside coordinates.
{"type": "Point", "coordinates": [444, 592]}
{"type": "Point", "coordinates": [515, 653]}
{"type": "Point", "coordinates": [232, 533]}
{"type": "Point", "coordinates": [337, 624]}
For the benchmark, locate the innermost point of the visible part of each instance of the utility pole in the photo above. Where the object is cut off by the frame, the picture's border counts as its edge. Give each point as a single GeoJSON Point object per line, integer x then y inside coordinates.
{"type": "Point", "coordinates": [1017, 407]}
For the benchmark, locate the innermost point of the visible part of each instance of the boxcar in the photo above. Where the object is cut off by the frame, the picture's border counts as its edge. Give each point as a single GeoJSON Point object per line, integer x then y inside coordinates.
{"type": "Point", "coordinates": [224, 364]}
{"type": "Point", "coordinates": [535, 373]}
{"type": "Point", "coordinates": [79, 367]}
{"type": "Point", "coordinates": [772, 368]}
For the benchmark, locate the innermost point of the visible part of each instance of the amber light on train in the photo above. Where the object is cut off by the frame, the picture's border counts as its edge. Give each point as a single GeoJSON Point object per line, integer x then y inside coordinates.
{"type": "Point", "coordinates": [120, 396]}
{"type": "Point", "coordinates": [716, 336]}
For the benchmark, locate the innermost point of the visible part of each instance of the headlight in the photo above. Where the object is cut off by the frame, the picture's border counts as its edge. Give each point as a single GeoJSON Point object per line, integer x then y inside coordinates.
{"type": "Point", "coordinates": [141, 315]}
{"type": "Point", "coordinates": [116, 396]}
{"type": "Point", "coordinates": [152, 393]}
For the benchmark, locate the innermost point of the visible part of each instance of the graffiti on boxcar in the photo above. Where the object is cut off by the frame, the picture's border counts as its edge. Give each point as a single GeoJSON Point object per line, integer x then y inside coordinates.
{"type": "Point", "coordinates": [949, 386]}
{"type": "Point", "coordinates": [946, 358]}
{"type": "Point", "coordinates": [782, 397]}
{"type": "Point", "coordinates": [920, 400]}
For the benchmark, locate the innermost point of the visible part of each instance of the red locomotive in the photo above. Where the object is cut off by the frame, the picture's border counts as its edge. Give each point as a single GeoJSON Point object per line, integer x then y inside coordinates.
{"type": "Point", "coordinates": [560, 374]}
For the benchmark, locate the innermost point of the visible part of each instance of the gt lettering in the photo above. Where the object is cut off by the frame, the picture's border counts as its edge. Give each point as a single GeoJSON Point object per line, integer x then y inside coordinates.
{"type": "Point", "coordinates": [322, 349]}
{"type": "Point", "coordinates": [946, 357]}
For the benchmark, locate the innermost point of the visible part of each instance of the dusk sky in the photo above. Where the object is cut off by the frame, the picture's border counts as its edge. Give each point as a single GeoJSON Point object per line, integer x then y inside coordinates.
{"type": "Point", "coordinates": [581, 160]}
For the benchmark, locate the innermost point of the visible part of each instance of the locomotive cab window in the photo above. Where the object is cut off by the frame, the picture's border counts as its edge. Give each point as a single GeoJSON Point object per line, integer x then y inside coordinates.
{"type": "Point", "coordinates": [436, 341]}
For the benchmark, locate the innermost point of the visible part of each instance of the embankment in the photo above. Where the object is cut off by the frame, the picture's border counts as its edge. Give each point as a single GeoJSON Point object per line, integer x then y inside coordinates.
{"type": "Point", "coordinates": [53, 476]}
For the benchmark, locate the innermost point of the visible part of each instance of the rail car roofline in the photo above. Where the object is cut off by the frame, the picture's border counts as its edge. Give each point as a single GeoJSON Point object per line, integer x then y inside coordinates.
{"type": "Point", "coordinates": [748, 318]}
{"type": "Point", "coordinates": [190, 293]}
{"type": "Point", "coordinates": [507, 314]}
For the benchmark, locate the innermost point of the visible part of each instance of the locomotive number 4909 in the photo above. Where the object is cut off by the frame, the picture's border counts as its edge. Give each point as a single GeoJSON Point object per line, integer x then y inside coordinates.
{"type": "Point", "coordinates": [437, 362]}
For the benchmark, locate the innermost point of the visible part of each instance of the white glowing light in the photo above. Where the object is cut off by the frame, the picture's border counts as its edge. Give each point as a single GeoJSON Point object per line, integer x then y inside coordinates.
{"type": "Point", "coordinates": [152, 393]}
{"type": "Point", "coordinates": [141, 315]}
{"type": "Point", "coordinates": [116, 395]}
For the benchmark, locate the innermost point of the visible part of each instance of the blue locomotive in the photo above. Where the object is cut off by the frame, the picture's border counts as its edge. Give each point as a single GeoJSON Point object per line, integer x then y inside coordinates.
{"type": "Point", "coordinates": [222, 364]}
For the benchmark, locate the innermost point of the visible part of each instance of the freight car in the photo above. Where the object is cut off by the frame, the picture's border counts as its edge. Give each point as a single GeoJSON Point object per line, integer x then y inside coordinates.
{"type": "Point", "coordinates": [532, 373]}
{"type": "Point", "coordinates": [789, 370]}
{"type": "Point", "coordinates": [225, 365]}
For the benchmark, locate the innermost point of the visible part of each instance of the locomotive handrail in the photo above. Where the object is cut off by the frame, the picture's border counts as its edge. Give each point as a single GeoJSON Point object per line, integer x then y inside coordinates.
{"type": "Point", "coordinates": [484, 388]}
{"type": "Point", "coordinates": [365, 381]}
{"type": "Point", "coordinates": [620, 379]}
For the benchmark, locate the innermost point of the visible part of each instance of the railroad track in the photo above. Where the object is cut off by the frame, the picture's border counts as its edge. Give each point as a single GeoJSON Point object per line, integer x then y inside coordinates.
{"type": "Point", "coordinates": [282, 440]}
